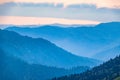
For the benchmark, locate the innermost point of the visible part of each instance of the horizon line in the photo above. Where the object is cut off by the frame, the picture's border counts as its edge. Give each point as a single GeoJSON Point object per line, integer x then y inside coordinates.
{"type": "Point", "coordinates": [18, 20]}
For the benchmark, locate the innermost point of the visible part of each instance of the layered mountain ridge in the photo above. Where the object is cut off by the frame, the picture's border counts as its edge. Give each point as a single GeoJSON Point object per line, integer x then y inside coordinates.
{"type": "Point", "coordinates": [12, 68]}
{"type": "Point", "coordinates": [41, 51]}
{"type": "Point", "coordinates": [82, 41]}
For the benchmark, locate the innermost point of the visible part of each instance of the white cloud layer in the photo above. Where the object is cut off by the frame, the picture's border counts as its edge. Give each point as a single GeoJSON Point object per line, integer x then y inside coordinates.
{"type": "Point", "coordinates": [98, 3]}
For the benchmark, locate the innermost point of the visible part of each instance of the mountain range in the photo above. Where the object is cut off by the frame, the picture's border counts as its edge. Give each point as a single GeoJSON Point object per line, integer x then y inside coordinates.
{"type": "Point", "coordinates": [41, 51]}
{"type": "Point", "coordinates": [81, 40]}
{"type": "Point", "coordinates": [51, 51]}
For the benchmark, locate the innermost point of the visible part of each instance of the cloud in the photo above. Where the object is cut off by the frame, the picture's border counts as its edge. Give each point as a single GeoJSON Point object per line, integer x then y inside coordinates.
{"type": "Point", "coordinates": [98, 3]}
{"type": "Point", "coordinates": [16, 20]}
{"type": "Point", "coordinates": [74, 11]}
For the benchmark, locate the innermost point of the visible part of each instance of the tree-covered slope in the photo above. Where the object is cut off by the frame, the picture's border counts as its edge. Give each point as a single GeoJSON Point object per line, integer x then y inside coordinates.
{"type": "Point", "coordinates": [118, 78]}
{"type": "Point", "coordinates": [107, 71]}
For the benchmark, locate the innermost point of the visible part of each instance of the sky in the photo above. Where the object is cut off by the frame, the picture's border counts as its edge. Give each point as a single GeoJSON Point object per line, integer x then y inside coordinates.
{"type": "Point", "coordinates": [26, 12]}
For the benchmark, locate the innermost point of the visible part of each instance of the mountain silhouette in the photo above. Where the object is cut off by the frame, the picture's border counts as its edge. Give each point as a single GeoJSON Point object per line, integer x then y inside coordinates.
{"type": "Point", "coordinates": [12, 68]}
{"type": "Point", "coordinates": [41, 51]}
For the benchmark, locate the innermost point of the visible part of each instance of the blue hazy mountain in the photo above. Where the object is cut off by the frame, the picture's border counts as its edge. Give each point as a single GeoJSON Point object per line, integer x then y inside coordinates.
{"type": "Point", "coordinates": [40, 51]}
{"type": "Point", "coordinates": [83, 41]}
{"type": "Point", "coordinates": [12, 68]}
{"type": "Point", "coordinates": [107, 54]}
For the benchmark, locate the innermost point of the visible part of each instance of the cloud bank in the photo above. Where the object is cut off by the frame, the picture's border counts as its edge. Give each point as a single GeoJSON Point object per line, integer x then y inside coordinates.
{"type": "Point", "coordinates": [49, 12]}
{"type": "Point", "coordinates": [98, 3]}
{"type": "Point", "coordinates": [75, 11]}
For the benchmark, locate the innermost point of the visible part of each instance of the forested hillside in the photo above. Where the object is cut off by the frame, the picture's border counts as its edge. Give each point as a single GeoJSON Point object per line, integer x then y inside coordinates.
{"type": "Point", "coordinates": [107, 71]}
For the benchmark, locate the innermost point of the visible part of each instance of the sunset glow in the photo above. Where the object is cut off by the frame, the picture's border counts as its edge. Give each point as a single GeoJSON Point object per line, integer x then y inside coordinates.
{"type": "Point", "coordinates": [32, 20]}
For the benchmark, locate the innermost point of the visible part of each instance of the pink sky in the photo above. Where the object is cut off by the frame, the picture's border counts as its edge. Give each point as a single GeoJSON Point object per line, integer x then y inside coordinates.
{"type": "Point", "coordinates": [32, 21]}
